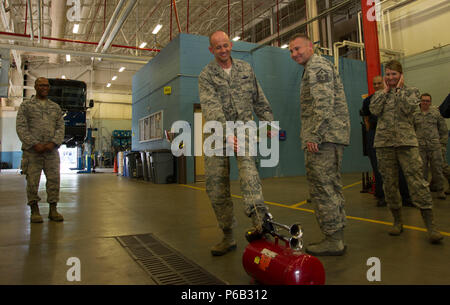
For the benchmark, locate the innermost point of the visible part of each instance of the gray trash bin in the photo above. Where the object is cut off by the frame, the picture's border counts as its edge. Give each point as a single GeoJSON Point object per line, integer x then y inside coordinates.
{"type": "Point", "coordinates": [163, 169]}
{"type": "Point", "coordinates": [131, 165]}
{"type": "Point", "coordinates": [144, 161]}
{"type": "Point", "coordinates": [151, 175]}
{"type": "Point", "coordinates": [139, 166]}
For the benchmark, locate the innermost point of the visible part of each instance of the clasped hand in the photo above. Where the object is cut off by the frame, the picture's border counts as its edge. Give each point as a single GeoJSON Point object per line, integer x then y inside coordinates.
{"type": "Point", "coordinates": [43, 148]}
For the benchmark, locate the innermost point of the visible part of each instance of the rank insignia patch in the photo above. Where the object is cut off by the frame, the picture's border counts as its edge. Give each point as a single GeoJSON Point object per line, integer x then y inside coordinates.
{"type": "Point", "coordinates": [322, 76]}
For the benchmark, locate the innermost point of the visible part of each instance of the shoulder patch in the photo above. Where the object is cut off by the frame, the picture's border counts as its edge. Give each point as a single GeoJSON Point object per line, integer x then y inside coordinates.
{"type": "Point", "coordinates": [322, 76]}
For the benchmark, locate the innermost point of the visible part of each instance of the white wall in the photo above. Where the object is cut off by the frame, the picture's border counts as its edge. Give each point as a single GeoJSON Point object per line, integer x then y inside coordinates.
{"type": "Point", "coordinates": [418, 26]}
{"type": "Point", "coordinates": [8, 136]}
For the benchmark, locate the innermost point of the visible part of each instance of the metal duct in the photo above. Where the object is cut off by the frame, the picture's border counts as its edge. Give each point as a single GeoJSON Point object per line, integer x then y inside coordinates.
{"type": "Point", "coordinates": [58, 17]}
{"type": "Point", "coordinates": [119, 23]}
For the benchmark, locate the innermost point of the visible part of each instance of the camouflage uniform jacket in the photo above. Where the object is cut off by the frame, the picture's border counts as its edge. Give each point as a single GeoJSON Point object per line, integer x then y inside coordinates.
{"type": "Point", "coordinates": [431, 129]}
{"type": "Point", "coordinates": [39, 124]}
{"type": "Point", "coordinates": [324, 111]}
{"type": "Point", "coordinates": [395, 111]}
{"type": "Point", "coordinates": [232, 97]}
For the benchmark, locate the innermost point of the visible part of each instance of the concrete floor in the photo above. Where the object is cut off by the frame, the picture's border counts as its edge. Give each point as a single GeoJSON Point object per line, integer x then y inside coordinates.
{"type": "Point", "coordinates": [98, 207]}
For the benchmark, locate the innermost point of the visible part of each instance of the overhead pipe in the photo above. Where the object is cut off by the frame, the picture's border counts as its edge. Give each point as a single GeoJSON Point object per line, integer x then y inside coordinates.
{"type": "Point", "coordinates": [278, 24]}
{"type": "Point", "coordinates": [58, 17]}
{"type": "Point", "coordinates": [176, 15]}
{"type": "Point", "coordinates": [118, 25]}
{"type": "Point", "coordinates": [16, 56]}
{"type": "Point", "coordinates": [104, 17]}
{"type": "Point", "coordinates": [187, 17]}
{"type": "Point", "coordinates": [78, 41]}
{"type": "Point", "coordinates": [39, 2]}
{"type": "Point", "coordinates": [346, 43]}
{"type": "Point", "coordinates": [93, 21]}
{"type": "Point", "coordinates": [242, 19]}
{"type": "Point", "coordinates": [229, 29]}
{"type": "Point", "coordinates": [110, 24]}
{"type": "Point", "coordinates": [113, 57]}
{"type": "Point", "coordinates": [171, 8]}
{"type": "Point", "coordinates": [30, 8]}
{"type": "Point", "coordinates": [26, 17]}
{"type": "Point", "coordinates": [305, 22]}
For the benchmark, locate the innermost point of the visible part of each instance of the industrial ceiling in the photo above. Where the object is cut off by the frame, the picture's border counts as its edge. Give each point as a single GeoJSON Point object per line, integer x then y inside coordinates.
{"type": "Point", "coordinates": [117, 29]}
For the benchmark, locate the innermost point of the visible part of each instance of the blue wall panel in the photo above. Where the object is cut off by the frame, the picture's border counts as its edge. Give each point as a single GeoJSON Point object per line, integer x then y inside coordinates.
{"type": "Point", "coordinates": [13, 158]}
{"type": "Point", "coordinates": [179, 64]}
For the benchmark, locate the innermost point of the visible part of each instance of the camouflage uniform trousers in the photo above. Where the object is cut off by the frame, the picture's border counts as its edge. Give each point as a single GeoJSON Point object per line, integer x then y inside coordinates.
{"type": "Point", "coordinates": [408, 158]}
{"type": "Point", "coordinates": [32, 165]}
{"type": "Point", "coordinates": [432, 158]}
{"type": "Point", "coordinates": [323, 172]}
{"type": "Point", "coordinates": [217, 171]}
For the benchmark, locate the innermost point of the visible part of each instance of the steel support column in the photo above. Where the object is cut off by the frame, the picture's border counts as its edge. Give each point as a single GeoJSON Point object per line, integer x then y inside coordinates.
{"type": "Point", "coordinates": [373, 66]}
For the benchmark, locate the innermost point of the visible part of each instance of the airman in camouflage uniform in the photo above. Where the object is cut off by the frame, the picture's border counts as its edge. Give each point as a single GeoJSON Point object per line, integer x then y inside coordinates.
{"type": "Point", "coordinates": [396, 145]}
{"type": "Point", "coordinates": [231, 96]}
{"type": "Point", "coordinates": [40, 127]}
{"type": "Point", "coordinates": [432, 132]}
{"type": "Point", "coordinates": [325, 131]}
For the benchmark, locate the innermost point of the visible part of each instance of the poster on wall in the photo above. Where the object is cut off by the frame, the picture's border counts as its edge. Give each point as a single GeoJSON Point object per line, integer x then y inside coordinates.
{"type": "Point", "coordinates": [4, 72]}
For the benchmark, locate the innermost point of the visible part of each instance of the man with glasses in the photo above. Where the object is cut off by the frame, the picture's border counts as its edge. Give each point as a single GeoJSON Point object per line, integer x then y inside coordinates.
{"type": "Point", "coordinates": [432, 132]}
{"type": "Point", "coordinates": [40, 127]}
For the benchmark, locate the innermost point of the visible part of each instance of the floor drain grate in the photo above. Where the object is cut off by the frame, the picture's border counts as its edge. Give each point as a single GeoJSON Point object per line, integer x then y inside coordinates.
{"type": "Point", "coordinates": [164, 264]}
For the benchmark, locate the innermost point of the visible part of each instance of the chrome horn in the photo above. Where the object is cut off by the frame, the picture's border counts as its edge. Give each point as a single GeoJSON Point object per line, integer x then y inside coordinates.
{"type": "Point", "coordinates": [295, 230]}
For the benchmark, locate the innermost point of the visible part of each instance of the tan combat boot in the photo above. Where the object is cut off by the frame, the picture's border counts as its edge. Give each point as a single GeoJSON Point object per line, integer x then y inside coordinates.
{"type": "Point", "coordinates": [53, 213]}
{"type": "Point", "coordinates": [332, 245]}
{"type": "Point", "coordinates": [35, 214]}
{"type": "Point", "coordinates": [397, 229]}
{"type": "Point", "coordinates": [433, 234]}
{"type": "Point", "coordinates": [226, 245]}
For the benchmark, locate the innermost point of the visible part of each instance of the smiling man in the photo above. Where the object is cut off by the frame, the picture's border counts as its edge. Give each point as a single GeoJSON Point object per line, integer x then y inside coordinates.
{"type": "Point", "coordinates": [324, 132]}
{"type": "Point", "coordinates": [40, 127]}
{"type": "Point", "coordinates": [229, 92]}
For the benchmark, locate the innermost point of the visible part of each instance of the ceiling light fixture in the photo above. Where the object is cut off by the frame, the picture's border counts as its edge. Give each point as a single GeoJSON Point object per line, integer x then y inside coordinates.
{"type": "Point", "coordinates": [236, 38]}
{"type": "Point", "coordinates": [121, 69]}
{"type": "Point", "coordinates": [67, 57]}
{"type": "Point", "coordinates": [114, 77]}
{"type": "Point", "coordinates": [284, 46]}
{"type": "Point", "coordinates": [157, 28]}
{"type": "Point", "coordinates": [76, 26]}
{"type": "Point", "coordinates": [108, 85]}
{"type": "Point", "coordinates": [63, 77]}
{"type": "Point", "coordinates": [142, 45]}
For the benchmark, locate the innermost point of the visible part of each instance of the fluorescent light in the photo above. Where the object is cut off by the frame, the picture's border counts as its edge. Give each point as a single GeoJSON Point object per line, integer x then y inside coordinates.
{"type": "Point", "coordinates": [114, 77]}
{"type": "Point", "coordinates": [284, 46]}
{"type": "Point", "coordinates": [108, 85]}
{"type": "Point", "coordinates": [67, 57]}
{"type": "Point", "coordinates": [236, 38]}
{"type": "Point", "coordinates": [156, 29]}
{"type": "Point", "coordinates": [76, 26]}
{"type": "Point", "coordinates": [142, 45]}
{"type": "Point", "coordinates": [64, 77]}
{"type": "Point", "coordinates": [121, 69]}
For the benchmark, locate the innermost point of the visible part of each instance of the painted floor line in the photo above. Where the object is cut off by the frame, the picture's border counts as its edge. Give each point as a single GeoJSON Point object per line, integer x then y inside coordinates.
{"type": "Point", "coordinates": [312, 211]}
{"type": "Point", "coordinates": [345, 187]}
